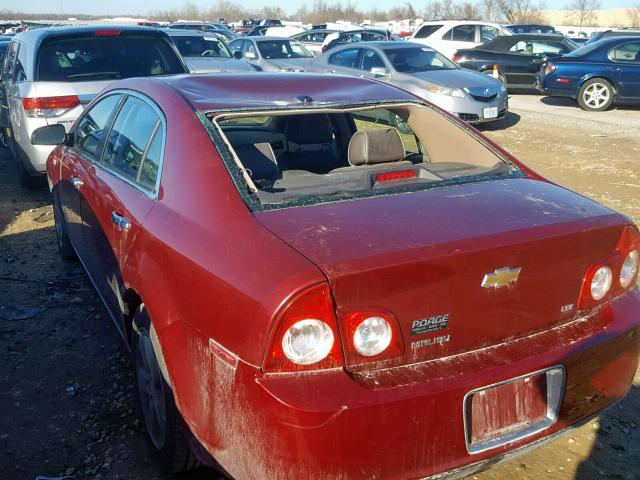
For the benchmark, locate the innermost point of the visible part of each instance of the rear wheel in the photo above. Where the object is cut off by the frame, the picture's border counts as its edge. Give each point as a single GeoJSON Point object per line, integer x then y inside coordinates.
{"type": "Point", "coordinates": [67, 252]}
{"type": "Point", "coordinates": [596, 95]}
{"type": "Point", "coordinates": [167, 432]}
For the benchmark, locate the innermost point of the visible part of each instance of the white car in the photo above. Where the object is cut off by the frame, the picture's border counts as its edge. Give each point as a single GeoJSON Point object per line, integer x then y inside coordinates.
{"type": "Point", "coordinates": [447, 36]}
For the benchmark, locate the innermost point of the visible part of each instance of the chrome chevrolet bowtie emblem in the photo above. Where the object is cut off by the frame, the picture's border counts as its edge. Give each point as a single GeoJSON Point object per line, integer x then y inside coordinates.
{"type": "Point", "coordinates": [502, 277]}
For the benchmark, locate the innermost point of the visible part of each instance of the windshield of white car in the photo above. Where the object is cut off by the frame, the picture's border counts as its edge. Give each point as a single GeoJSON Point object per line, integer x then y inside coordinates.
{"type": "Point", "coordinates": [191, 46]}
{"type": "Point", "coordinates": [332, 154]}
{"type": "Point", "coordinates": [415, 60]}
{"type": "Point", "coordinates": [278, 49]}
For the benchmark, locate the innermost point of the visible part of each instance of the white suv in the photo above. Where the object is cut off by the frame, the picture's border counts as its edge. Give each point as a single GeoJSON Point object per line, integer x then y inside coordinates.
{"type": "Point", "coordinates": [447, 36]}
{"type": "Point", "coordinates": [50, 74]}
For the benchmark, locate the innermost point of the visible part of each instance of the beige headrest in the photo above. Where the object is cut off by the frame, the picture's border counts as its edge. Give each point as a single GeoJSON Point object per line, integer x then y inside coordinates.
{"type": "Point", "coordinates": [375, 146]}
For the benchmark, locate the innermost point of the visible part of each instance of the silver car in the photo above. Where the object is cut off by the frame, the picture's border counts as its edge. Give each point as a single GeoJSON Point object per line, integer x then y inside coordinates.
{"type": "Point", "coordinates": [271, 54]}
{"type": "Point", "coordinates": [474, 97]}
{"type": "Point", "coordinates": [312, 40]}
{"type": "Point", "coordinates": [50, 74]}
{"type": "Point", "coordinates": [203, 52]}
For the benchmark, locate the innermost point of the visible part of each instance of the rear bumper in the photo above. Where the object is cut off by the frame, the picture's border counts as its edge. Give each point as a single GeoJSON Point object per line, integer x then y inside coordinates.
{"type": "Point", "coordinates": [550, 88]}
{"type": "Point", "coordinates": [407, 422]}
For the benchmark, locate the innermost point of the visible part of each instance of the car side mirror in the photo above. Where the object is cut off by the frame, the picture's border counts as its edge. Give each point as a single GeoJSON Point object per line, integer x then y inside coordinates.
{"type": "Point", "coordinates": [379, 72]}
{"type": "Point", "coordinates": [237, 55]}
{"type": "Point", "coordinates": [49, 135]}
{"type": "Point", "coordinates": [250, 55]}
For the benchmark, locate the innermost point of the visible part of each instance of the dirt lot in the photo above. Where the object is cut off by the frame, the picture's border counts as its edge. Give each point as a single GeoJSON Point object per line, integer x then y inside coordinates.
{"type": "Point", "coordinates": [66, 392]}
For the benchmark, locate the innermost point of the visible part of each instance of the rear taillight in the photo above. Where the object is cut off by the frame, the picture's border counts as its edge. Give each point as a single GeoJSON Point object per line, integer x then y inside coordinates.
{"type": "Point", "coordinates": [370, 336]}
{"type": "Point", "coordinates": [324, 48]}
{"type": "Point", "coordinates": [613, 275]}
{"type": "Point", "coordinates": [456, 57]}
{"type": "Point", "coordinates": [49, 106]}
{"type": "Point", "coordinates": [306, 335]}
{"type": "Point", "coordinates": [549, 68]}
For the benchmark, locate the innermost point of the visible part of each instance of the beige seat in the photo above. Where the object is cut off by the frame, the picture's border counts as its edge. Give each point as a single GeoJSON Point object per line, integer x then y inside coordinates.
{"type": "Point", "coordinates": [377, 148]}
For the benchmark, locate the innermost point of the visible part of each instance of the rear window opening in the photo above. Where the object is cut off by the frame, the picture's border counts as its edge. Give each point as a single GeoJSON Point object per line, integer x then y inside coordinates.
{"type": "Point", "coordinates": [313, 155]}
{"type": "Point", "coordinates": [105, 58]}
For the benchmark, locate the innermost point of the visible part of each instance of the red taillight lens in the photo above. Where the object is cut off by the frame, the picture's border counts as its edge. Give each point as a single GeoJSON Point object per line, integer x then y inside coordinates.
{"type": "Point", "coordinates": [50, 103]}
{"type": "Point", "coordinates": [456, 57]}
{"type": "Point", "coordinates": [323, 48]}
{"type": "Point", "coordinates": [107, 33]}
{"type": "Point", "coordinates": [306, 334]}
{"type": "Point", "coordinates": [370, 335]}
{"type": "Point", "coordinates": [613, 275]}
{"type": "Point", "coordinates": [391, 176]}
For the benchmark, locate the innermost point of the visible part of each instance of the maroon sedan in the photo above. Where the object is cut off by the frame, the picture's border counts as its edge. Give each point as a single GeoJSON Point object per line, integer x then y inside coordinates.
{"type": "Point", "coordinates": [326, 277]}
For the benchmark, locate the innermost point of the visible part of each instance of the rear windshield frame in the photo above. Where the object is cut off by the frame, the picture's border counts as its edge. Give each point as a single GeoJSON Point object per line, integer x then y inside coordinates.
{"type": "Point", "coordinates": [247, 189]}
{"type": "Point", "coordinates": [91, 36]}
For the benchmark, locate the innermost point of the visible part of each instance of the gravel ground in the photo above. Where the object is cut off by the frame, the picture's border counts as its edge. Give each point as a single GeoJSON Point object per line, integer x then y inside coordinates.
{"type": "Point", "coordinates": [66, 391]}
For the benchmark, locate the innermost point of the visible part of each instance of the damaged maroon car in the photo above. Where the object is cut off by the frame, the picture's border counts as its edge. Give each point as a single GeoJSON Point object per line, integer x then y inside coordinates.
{"type": "Point", "coordinates": [326, 277]}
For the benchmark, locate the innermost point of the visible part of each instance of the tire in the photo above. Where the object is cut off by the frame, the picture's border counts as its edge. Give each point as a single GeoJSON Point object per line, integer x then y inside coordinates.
{"type": "Point", "coordinates": [67, 252]}
{"type": "Point", "coordinates": [596, 95]}
{"type": "Point", "coordinates": [167, 433]}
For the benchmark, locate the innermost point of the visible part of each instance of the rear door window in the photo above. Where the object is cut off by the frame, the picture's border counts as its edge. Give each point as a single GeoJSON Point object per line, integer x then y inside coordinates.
{"type": "Point", "coordinates": [106, 57]}
{"type": "Point", "coordinates": [345, 58]}
{"type": "Point", "coordinates": [461, 33]}
{"type": "Point", "coordinates": [371, 59]}
{"type": "Point", "coordinates": [628, 52]}
{"type": "Point", "coordinates": [130, 150]}
{"type": "Point", "coordinates": [91, 128]}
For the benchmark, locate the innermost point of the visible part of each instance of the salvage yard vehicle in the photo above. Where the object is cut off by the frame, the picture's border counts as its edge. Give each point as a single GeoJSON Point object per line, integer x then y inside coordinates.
{"type": "Point", "coordinates": [518, 58]}
{"type": "Point", "coordinates": [328, 277]}
{"type": "Point", "coordinates": [447, 36]}
{"type": "Point", "coordinates": [50, 74]}
{"type": "Point", "coordinates": [271, 54]}
{"type": "Point", "coordinates": [205, 52]}
{"type": "Point", "coordinates": [471, 96]}
{"type": "Point", "coordinates": [597, 74]}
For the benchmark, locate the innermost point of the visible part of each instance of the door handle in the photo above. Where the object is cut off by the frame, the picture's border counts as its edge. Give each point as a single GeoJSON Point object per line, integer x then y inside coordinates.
{"type": "Point", "coordinates": [77, 183]}
{"type": "Point", "coordinates": [121, 223]}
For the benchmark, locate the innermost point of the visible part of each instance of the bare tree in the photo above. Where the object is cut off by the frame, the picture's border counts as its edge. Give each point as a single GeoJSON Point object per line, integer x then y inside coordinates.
{"type": "Point", "coordinates": [633, 13]}
{"type": "Point", "coordinates": [518, 11]}
{"type": "Point", "coordinates": [583, 12]}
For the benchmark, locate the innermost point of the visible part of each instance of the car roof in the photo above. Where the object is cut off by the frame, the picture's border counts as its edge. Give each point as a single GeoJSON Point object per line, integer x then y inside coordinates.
{"type": "Point", "coordinates": [36, 36]}
{"type": "Point", "coordinates": [272, 90]}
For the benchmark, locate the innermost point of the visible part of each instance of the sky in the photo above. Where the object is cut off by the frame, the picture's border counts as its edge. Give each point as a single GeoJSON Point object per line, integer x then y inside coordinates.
{"type": "Point", "coordinates": [116, 7]}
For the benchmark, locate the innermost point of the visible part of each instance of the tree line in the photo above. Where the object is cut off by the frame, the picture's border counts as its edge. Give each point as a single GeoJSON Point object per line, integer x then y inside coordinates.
{"type": "Point", "coordinates": [580, 12]}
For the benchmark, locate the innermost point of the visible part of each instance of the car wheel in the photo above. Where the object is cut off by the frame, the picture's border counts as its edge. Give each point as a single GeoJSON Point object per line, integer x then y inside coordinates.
{"type": "Point", "coordinates": [596, 95]}
{"type": "Point", "coordinates": [166, 430]}
{"type": "Point", "coordinates": [67, 252]}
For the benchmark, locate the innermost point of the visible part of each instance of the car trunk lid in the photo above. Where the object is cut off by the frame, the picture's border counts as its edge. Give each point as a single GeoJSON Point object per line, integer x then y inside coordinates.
{"type": "Point", "coordinates": [436, 257]}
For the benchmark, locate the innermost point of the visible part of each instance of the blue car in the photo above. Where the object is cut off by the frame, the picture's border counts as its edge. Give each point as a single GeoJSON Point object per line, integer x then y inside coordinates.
{"type": "Point", "coordinates": [597, 74]}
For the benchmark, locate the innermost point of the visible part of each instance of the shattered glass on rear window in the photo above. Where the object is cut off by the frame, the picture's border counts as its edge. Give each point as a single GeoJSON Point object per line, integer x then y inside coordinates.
{"type": "Point", "coordinates": [303, 156]}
